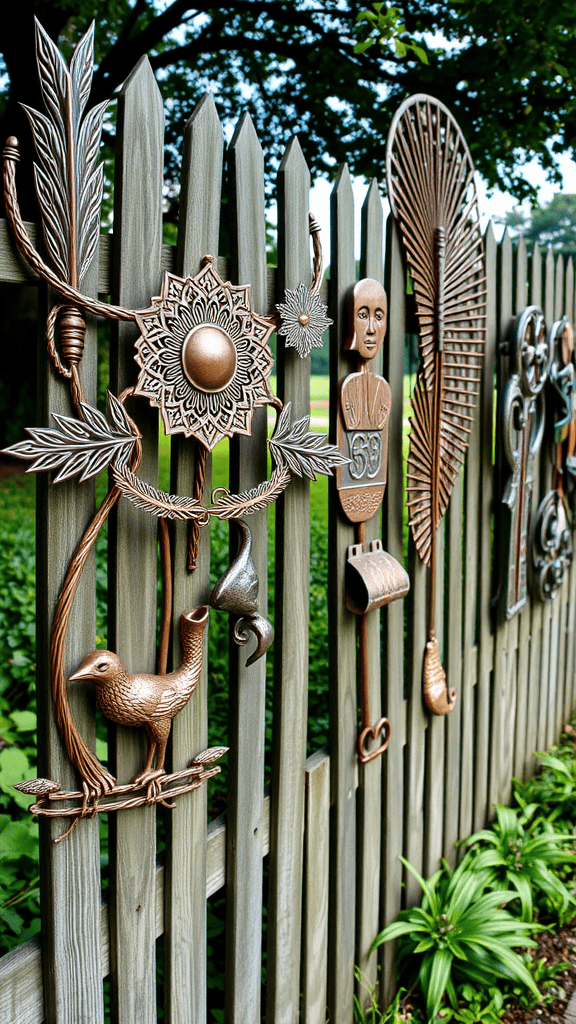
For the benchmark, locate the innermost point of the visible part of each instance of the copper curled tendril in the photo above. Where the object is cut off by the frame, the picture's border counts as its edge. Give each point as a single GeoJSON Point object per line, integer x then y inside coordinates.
{"type": "Point", "coordinates": [27, 250]}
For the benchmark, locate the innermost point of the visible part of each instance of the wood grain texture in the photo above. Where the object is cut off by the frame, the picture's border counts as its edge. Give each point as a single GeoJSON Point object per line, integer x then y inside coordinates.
{"type": "Point", "coordinates": [455, 755]}
{"type": "Point", "coordinates": [369, 801]}
{"type": "Point", "coordinates": [524, 625]}
{"type": "Point", "coordinates": [132, 546]}
{"type": "Point", "coordinates": [342, 640]}
{"type": "Point", "coordinates": [485, 502]}
{"type": "Point", "coordinates": [542, 484]}
{"type": "Point", "coordinates": [70, 871]}
{"type": "Point", "coordinates": [566, 665]}
{"type": "Point", "coordinates": [185, 900]}
{"type": "Point", "coordinates": [247, 685]}
{"type": "Point", "coordinates": [290, 705]}
{"type": "Point", "coordinates": [537, 609]}
{"type": "Point", "coordinates": [504, 650]}
{"type": "Point", "coordinates": [394, 704]}
{"type": "Point", "coordinates": [436, 736]}
{"type": "Point", "coordinates": [474, 525]}
{"type": "Point", "coordinates": [316, 873]}
{"type": "Point", "coordinates": [21, 970]}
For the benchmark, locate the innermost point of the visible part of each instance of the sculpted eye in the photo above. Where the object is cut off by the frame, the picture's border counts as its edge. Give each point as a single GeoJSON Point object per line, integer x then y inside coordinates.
{"type": "Point", "coordinates": [101, 666]}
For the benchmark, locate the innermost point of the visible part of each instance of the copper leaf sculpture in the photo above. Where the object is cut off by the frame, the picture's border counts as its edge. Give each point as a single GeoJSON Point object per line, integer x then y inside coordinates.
{"type": "Point", "coordinates": [431, 190]}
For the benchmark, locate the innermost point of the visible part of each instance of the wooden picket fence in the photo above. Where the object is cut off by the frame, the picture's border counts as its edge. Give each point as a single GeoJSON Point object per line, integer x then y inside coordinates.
{"type": "Point", "coordinates": [333, 833]}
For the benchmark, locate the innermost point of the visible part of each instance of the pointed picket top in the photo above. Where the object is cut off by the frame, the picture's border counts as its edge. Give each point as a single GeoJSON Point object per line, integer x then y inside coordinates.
{"type": "Point", "coordinates": [342, 222]}
{"type": "Point", "coordinates": [245, 137]}
{"type": "Point", "coordinates": [247, 215]}
{"type": "Point", "coordinates": [294, 159]}
{"type": "Point", "coordinates": [141, 81]}
{"type": "Point", "coordinates": [372, 233]}
{"type": "Point", "coordinates": [293, 208]}
{"type": "Point", "coordinates": [201, 178]}
{"type": "Point", "coordinates": [506, 280]}
{"type": "Point", "coordinates": [559, 288]}
{"type": "Point", "coordinates": [549, 275]}
{"type": "Point", "coordinates": [536, 276]}
{"type": "Point", "coordinates": [489, 236]}
{"type": "Point", "coordinates": [343, 182]}
{"type": "Point", "coordinates": [521, 273]}
{"type": "Point", "coordinates": [569, 289]}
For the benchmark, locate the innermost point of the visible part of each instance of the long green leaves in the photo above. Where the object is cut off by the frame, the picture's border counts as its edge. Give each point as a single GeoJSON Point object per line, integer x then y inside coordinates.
{"type": "Point", "coordinates": [460, 933]}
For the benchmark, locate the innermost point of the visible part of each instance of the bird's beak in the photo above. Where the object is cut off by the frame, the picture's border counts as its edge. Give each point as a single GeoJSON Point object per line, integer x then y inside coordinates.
{"type": "Point", "coordinates": [83, 674]}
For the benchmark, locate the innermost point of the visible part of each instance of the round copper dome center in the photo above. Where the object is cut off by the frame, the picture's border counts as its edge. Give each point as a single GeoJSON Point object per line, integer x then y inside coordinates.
{"type": "Point", "coordinates": [209, 358]}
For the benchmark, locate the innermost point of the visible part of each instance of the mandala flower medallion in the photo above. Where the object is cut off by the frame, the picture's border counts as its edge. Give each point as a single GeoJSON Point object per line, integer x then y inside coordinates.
{"type": "Point", "coordinates": [204, 357]}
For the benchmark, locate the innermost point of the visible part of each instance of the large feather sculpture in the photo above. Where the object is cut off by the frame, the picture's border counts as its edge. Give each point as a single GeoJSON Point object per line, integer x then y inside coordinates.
{"type": "Point", "coordinates": [430, 179]}
{"type": "Point", "coordinates": [69, 179]}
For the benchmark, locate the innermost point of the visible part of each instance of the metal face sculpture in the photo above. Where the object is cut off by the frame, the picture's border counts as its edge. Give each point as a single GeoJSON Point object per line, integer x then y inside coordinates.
{"type": "Point", "coordinates": [204, 362]}
{"type": "Point", "coordinates": [430, 179]}
{"type": "Point", "coordinates": [373, 577]}
{"type": "Point", "coordinates": [522, 431]}
{"type": "Point", "coordinates": [552, 539]}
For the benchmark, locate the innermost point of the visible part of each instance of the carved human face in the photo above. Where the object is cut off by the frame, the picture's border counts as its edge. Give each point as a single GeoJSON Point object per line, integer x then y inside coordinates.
{"type": "Point", "coordinates": [369, 318]}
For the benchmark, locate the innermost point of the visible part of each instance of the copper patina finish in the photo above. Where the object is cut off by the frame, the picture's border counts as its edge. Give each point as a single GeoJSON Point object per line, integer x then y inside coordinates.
{"type": "Point", "coordinates": [430, 179]}
{"type": "Point", "coordinates": [373, 577]}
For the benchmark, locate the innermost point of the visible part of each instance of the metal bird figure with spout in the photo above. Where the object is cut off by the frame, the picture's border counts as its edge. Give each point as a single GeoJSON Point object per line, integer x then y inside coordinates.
{"type": "Point", "coordinates": [144, 700]}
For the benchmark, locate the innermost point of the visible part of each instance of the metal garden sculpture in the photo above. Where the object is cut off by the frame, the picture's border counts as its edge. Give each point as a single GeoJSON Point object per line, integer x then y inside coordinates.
{"type": "Point", "coordinates": [552, 540]}
{"type": "Point", "coordinates": [522, 432]}
{"type": "Point", "coordinates": [430, 179]}
{"type": "Point", "coordinates": [204, 361]}
{"type": "Point", "coordinates": [373, 578]}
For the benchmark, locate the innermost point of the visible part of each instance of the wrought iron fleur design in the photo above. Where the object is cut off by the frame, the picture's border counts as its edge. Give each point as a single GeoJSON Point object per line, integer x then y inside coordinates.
{"type": "Point", "coordinates": [303, 319]}
{"type": "Point", "coordinates": [204, 357]}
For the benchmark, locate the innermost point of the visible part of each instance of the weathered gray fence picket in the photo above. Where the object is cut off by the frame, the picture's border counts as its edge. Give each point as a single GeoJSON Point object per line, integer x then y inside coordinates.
{"type": "Point", "coordinates": [333, 832]}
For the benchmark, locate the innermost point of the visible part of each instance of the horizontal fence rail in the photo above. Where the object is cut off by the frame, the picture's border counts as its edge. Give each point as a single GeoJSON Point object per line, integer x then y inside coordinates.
{"type": "Point", "coordinates": [318, 847]}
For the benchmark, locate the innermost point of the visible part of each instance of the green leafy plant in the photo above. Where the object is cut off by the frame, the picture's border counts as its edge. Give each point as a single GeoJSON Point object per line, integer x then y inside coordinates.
{"type": "Point", "coordinates": [459, 935]}
{"type": "Point", "coordinates": [544, 975]}
{"type": "Point", "coordinates": [473, 1007]}
{"type": "Point", "coordinates": [516, 858]}
{"type": "Point", "coordinates": [554, 789]}
{"type": "Point", "coordinates": [386, 28]}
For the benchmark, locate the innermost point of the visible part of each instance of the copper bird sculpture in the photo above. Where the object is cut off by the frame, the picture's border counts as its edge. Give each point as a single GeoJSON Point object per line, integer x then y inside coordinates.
{"type": "Point", "coordinates": [430, 179]}
{"type": "Point", "coordinates": [147, 700]}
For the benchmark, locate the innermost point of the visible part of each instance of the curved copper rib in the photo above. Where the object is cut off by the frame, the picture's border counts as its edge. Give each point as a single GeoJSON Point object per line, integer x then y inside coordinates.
{"type": "Point", "coordinates": [27, 250]}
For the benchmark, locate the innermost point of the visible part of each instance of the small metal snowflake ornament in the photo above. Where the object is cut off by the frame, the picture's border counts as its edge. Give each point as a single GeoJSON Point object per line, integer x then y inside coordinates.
{"type": "Point", "coordinates": [303, 319]}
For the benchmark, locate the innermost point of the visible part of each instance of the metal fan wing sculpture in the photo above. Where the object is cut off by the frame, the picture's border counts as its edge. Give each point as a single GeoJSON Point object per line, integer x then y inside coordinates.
{"type": "Point", "coordinates": [430, 179]}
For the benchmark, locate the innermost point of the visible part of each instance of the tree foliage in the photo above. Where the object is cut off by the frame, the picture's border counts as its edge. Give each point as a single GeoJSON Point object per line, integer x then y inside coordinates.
{"type": "Point", "coordinates": [552, 224]}
{"type": "Point", "coordinates": [506, 70]}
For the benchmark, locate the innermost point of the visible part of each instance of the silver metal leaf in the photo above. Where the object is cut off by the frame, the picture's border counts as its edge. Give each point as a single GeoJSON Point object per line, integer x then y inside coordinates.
{"type": "Point", "coordinates": [54, 77]}
{"type": "Point", "coordinates": [89, 219]}
{"type": "Point", "coordinates": [159, 503]}
{"type": "Point", "coordinates": [77, 447]}
{"type": "Point", "coordinates": [54, 216]}
{"type": "Point", "coordinates": [81, 69]}
{"type": "Point", "coordinates": [304, 453]}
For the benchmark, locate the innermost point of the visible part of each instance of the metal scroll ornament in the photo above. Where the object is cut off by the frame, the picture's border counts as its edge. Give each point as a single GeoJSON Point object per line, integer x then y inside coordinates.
{"type": "Point", "coordinates": [430, 179]}
{"type": "Point", "coordinates": [552, 538]}
{"type": "Point", "coordinates": [204, 361]}
{"type": "Point", "coordinates": [522, 431]}
{"type": "Point", "coordinates": [373, 577]}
